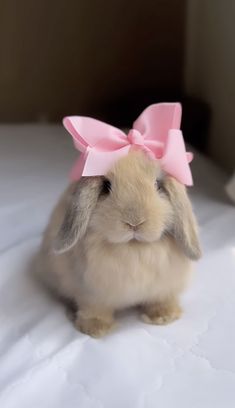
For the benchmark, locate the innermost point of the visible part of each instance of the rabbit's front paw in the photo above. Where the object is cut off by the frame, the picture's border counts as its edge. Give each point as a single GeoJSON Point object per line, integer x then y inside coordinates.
{"type": "Point", "coordinates": [161, 313]}
{"type": "Point", "coordinates": [92, 325]}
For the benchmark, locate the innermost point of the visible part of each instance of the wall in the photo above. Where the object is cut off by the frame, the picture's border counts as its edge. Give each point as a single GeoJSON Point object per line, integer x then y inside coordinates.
{"type": "Point", "coordinates": [69, 56]}
{"type": "Point", "coordinates": [210, 70]}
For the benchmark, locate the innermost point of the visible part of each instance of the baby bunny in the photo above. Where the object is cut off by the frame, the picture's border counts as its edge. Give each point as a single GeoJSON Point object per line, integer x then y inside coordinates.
{"type": "Point", "coordinates": [120, 240]}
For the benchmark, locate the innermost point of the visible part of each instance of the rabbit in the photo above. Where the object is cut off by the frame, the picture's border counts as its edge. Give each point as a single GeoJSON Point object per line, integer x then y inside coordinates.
{"type": "Point", "coordinates": [121, 240]}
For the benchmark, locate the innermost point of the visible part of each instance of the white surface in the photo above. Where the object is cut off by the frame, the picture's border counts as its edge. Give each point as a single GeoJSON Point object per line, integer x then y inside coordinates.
{"type": "Point", "coordinates": [45, 363]}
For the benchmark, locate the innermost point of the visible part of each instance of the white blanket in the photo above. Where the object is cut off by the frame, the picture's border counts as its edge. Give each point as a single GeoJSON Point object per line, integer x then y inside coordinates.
{"type": "Point", "coordinates": [46, 363]}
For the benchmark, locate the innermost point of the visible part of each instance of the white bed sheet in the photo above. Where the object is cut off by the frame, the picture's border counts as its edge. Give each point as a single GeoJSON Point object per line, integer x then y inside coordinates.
{"type": "Point", "coordinates": [46, 363]}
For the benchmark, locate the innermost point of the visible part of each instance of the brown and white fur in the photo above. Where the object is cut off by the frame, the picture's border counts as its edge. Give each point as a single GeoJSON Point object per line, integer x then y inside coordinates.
{"type": "Point", "coordinates": [126, 239]}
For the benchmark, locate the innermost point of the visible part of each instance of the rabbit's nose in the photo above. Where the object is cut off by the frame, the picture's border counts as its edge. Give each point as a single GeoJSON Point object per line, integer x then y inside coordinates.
{"type": "Point", "coordinates": [134, 226]}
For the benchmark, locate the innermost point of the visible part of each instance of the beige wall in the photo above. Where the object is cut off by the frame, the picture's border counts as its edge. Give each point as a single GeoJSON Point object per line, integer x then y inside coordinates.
{"type": "Point", "coordinates": [210, 70]}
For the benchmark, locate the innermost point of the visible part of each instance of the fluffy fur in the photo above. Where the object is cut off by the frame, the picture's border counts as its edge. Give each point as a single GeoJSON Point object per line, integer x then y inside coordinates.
{"type": "Point", "coordinates": [132, 245]}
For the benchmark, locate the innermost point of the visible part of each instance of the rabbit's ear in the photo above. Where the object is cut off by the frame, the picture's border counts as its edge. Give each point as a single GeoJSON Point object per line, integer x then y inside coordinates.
{"type": "Point", "coordinates": [184, 226]}
{"type": "Point", "coordinates": [81, 202]}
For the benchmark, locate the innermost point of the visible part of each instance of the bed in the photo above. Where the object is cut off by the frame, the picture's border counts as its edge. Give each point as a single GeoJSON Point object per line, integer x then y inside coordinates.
{"type": "Point", "coordinates": [46, 363]}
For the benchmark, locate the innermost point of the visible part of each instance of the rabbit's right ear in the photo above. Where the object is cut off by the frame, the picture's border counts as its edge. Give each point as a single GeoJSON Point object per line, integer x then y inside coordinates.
{"type": "Point", "coordinates": [81, 202]}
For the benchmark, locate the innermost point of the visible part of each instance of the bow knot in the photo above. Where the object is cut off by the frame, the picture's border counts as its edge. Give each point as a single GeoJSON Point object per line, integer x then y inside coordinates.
{"type": "Point", "coordinates": [135, 137]}
{"type": "Point", "coordinates": [156, 131]}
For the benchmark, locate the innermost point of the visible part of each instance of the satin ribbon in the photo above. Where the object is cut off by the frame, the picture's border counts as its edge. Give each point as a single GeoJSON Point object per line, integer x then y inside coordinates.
{"type": "Point", "coordinates": [156, 132]}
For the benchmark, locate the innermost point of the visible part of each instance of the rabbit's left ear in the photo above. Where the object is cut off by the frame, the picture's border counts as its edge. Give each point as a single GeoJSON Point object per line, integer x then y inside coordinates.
{"type": "Point", "coordinates": [184, 226]}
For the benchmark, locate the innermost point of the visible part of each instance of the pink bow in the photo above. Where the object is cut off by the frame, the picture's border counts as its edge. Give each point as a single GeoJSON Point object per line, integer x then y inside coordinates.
{"type": "Point", "coordinates": [156, 131]}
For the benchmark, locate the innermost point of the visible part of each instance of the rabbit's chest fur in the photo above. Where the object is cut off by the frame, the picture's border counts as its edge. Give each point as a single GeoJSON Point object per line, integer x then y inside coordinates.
{"type": "Point", "coordinates": [122, 275]}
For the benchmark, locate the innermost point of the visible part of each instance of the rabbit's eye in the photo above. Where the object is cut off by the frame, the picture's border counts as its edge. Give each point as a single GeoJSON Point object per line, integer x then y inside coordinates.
{"type": "Point", "coordinates": [159, 185]}
{"type": "Point", "coordinates": [106, 187]}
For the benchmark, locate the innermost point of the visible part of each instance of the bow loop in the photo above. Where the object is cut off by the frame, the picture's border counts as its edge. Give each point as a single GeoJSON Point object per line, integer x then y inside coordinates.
{"type": "Point", "coordinates": [156, 132]}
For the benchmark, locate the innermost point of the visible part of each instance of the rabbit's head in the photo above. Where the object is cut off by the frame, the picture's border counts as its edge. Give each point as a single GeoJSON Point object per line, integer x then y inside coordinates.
{"type": "Point", "coordinates": [135, 201]}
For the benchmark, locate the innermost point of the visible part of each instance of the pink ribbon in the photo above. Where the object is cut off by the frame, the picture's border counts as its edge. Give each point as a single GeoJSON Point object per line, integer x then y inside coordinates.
{"type": "Point", "coordinates": [156, 132]}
